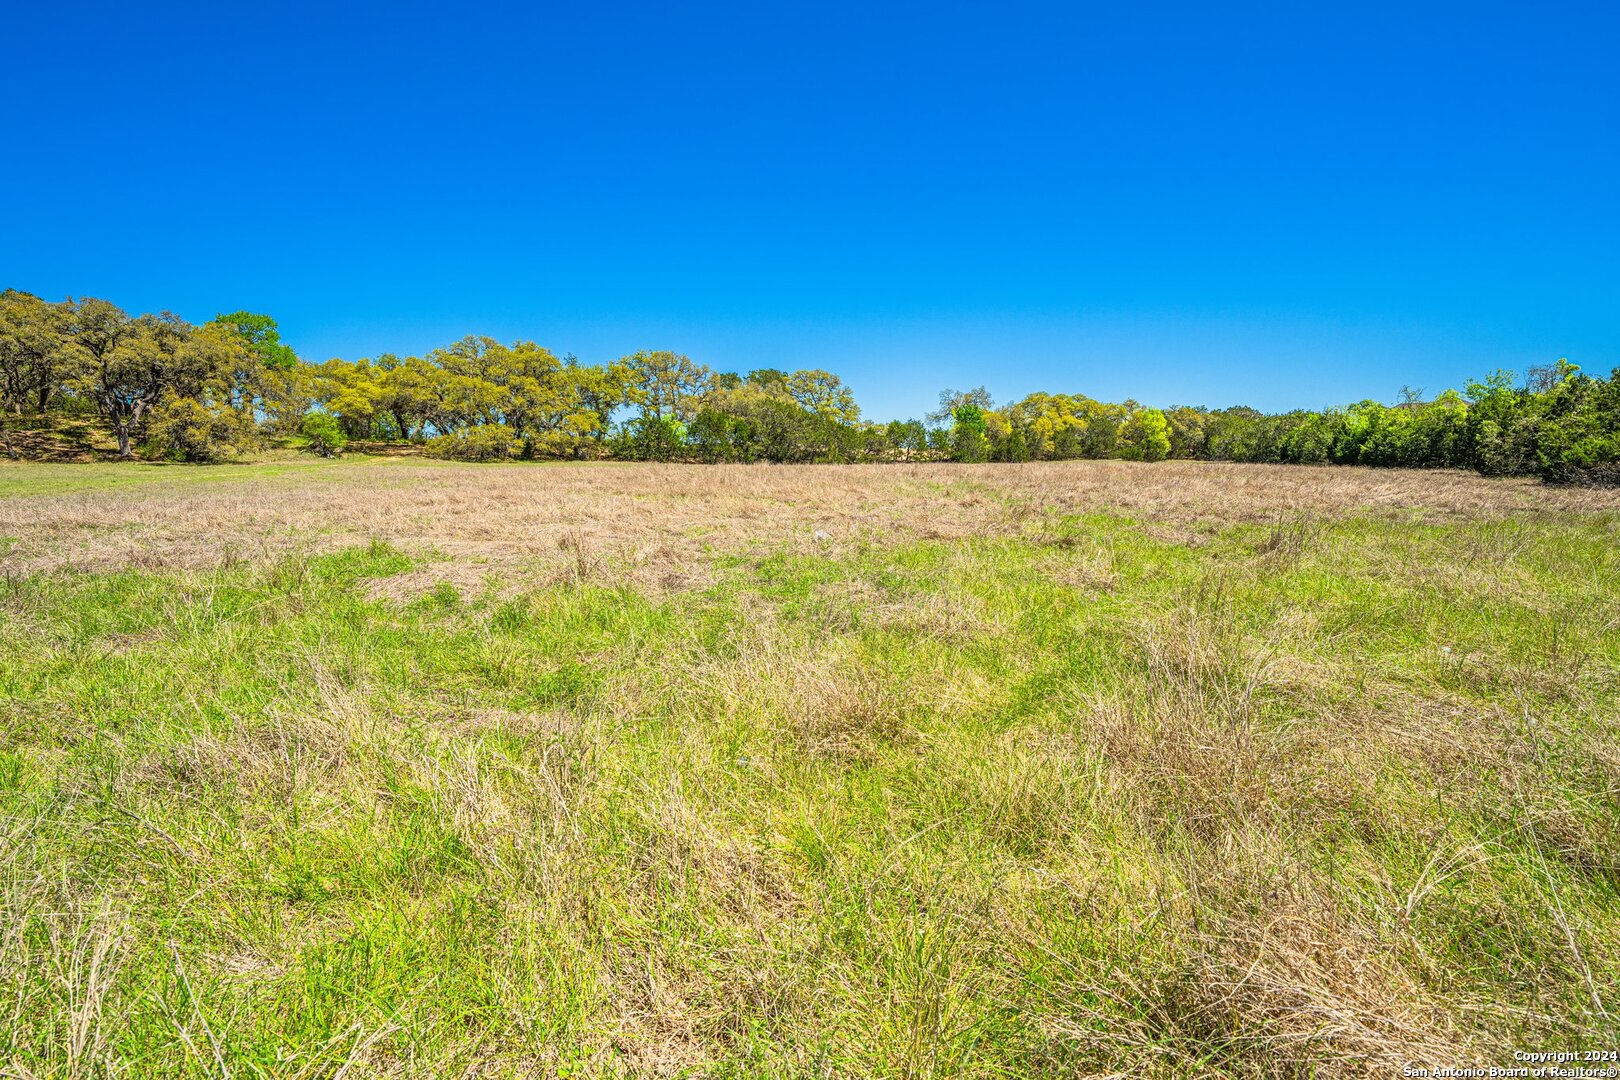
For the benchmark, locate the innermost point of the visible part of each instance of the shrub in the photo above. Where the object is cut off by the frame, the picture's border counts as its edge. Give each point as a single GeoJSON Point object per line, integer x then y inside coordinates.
{"type": "Point", "coordinates": [1578, 441]}
{"type": "Point", "coordinates": [324, 433]}
{"type": "Point", "coordinates": [485, 442]}
{"type": "Point", "coordinates": [1147, 435]}
{"type": "Point", "coordinates": [653, 438]}
{"type": "Point", "coordinates": [718, 436]}
{"type": "Point", "coordinates": [1504, 449]}
{"type": "Point", "coordinates": [1013, 446]}
{"type": "Point", "coordinates": [969, 442]}
{"type": "Point", "coordinates": [185, 429]}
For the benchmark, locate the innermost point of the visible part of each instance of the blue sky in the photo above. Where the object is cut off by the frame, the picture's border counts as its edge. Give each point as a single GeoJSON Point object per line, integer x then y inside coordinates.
{"type": "Point", "coordinates": [1282, 206]}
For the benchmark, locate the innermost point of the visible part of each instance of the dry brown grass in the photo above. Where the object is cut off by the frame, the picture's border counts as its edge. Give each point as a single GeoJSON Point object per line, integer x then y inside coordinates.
{"type": "Point", "coordinates": [658, 523]}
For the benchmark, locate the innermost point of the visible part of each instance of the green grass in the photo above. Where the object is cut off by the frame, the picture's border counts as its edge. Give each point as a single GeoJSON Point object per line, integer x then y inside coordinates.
{"type": "Point", "coordinates": [1319, 796]}
{"type": "Point", "coordinates": [26, 478]}
{"type": "Point", "coordinates": [18, 479]}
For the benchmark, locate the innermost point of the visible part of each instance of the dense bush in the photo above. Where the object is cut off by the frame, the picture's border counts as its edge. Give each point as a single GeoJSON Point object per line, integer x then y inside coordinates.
{"type": "Point", "coordinates": [653, 438]}
{"type": "Point", "coordinates": [1147, 436]}
{"type": "Point", "coordinates": [324, 433]}
{"type": "Point", "coordinates": [970, 436]}
{"type": "Point", "coordinates": [1578, 437]}
{"type": "Point", "coordinates": [717, 436]}
{"type": "Point", "coordinates": [186, 429]}
{"type": "Point", "coordinates": [487, 442]}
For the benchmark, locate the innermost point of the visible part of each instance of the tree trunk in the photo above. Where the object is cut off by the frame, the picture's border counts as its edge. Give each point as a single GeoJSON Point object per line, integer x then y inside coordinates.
{"type": "Point", "coordinates": [11, 451]}
{"type": "Point", "coordinates": [128, 425]}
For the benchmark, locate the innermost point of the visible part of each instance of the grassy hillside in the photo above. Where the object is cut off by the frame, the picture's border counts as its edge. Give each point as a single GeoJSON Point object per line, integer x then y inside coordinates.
{"type": "Point", "coordinates": [55, 437]}
{"type": "Point", "coordinates": [381, 768]}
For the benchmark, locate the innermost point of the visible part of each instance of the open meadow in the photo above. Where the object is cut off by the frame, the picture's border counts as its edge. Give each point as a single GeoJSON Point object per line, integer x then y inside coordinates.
{"type": "Point", "coordinates": [391, 767]}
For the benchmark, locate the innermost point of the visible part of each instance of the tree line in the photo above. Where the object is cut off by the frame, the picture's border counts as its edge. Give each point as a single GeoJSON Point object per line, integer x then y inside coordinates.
{"type": "Point", "coordinates": [168, 389]}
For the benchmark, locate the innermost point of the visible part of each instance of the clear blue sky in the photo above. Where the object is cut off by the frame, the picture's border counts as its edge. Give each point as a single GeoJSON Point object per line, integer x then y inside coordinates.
{"type": "Point", "coordinates": [1202, 203]}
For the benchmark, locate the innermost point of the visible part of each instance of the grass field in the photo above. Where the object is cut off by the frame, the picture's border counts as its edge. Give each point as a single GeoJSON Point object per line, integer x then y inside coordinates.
{"type": "Point", "coordinates": [391, 768]}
